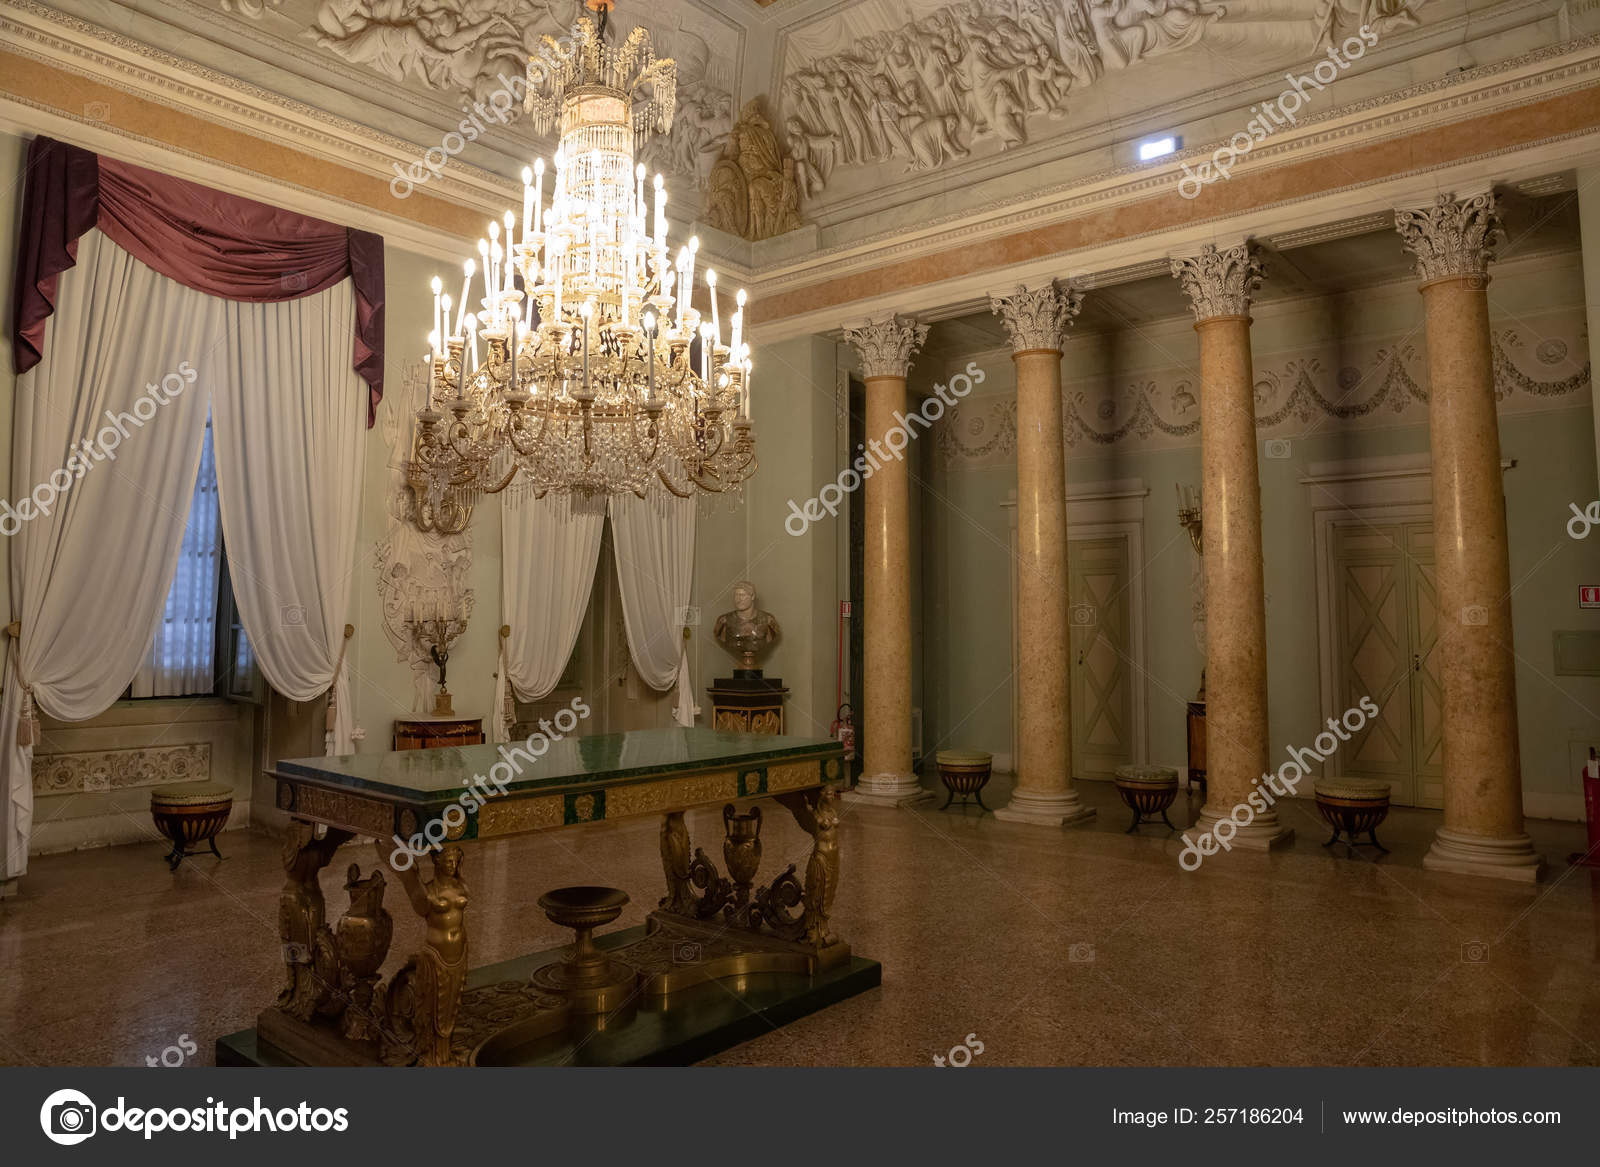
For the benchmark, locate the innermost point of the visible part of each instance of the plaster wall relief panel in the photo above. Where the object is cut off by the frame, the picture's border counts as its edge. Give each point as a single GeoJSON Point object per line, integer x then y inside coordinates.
{"type": "Point", "coordinates": [1540, 362]}
{"type": "Point", "coordinates": [417, 571]}
{"type": "Point", "coordinates": [92, 771]}
{"type": "Point", "coordinates": [888, 88]}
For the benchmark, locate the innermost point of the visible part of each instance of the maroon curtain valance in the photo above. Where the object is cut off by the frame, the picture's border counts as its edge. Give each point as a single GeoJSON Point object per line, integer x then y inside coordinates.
{"type": "Point", "coordinates": [216, 243]}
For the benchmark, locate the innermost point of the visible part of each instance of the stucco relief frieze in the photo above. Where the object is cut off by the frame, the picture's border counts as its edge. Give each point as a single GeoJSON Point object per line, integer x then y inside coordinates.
{"type": "Point", "coordinates": [927, 91]}
{"type": "Point", "coordinates": [1536, 362]}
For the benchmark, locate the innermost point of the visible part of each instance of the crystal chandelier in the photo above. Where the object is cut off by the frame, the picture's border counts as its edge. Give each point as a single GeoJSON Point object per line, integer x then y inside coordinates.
{"type": "Point", "coordinates": [586, 370]}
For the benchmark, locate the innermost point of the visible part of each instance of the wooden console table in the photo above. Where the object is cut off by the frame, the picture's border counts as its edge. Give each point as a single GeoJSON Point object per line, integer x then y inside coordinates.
{"type": "Point", "coordinates": [426, 732]}
{"type": "Point", "coordinates": [333, 1010]}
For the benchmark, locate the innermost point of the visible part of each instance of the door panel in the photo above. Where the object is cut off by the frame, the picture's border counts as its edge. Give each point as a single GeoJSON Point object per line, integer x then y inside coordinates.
{"type": "Point", "coordinates": [1101, 664]}
{"type": "Point", "coordinates": [1385, 629]}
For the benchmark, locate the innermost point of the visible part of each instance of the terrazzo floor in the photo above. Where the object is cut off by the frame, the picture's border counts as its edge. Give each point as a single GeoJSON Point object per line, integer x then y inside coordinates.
{"type": "Point", "coordinates": [1081, 946]}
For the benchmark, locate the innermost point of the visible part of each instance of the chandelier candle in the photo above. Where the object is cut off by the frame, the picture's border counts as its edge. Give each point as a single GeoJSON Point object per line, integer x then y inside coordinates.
{"type": "Point", "coordinates": [587, 384]}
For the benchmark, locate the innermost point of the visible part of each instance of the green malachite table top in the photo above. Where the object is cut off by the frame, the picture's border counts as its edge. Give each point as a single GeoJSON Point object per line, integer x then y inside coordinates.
{"type": "Point", "coordinates": [595, 762]}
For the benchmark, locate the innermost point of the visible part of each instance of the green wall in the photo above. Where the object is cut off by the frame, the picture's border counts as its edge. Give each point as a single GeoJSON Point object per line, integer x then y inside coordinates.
{"type": "Point", "coordinates": [964, 528]}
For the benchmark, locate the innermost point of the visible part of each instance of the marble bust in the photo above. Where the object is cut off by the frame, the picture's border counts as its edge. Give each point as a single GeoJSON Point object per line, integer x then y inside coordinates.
{"type": "Point", "coordinates": [746, 633]}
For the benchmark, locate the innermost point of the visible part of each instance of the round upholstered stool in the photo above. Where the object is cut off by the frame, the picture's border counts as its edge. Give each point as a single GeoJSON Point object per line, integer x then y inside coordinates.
{"type": "Point", "coordinates": [589, 980]}
{"type": "Point", "coordinates": [964, 772]}
{"type": "Point", "coordinates": [1147, 791]}
{"type": "Point", "coordinates": [191, 813]}
{"type": "Point", "coordinates": [1354, 806]}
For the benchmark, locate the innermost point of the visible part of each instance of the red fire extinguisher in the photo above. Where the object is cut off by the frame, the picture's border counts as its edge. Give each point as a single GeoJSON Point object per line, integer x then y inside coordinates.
{"type": "Point", "coordinates": [844, 729]}
{"type": "Point", "coordinates": [1591, 807]}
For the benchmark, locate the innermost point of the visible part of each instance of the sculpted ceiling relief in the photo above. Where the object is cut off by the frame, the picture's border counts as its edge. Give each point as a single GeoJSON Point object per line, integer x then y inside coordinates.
{"type": "Point", "coordinates": [466, 51]}
{"type": "Point", "coordinates": [868, 87]}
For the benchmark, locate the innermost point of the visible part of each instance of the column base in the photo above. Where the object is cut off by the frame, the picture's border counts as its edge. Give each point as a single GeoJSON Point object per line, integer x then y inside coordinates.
{"type": "Point", "coordinates": [1051, 809]}
{"type": "Point", "coordinates": [1511, 857]}
{"type": "Point", "coordinates": [889, 790]}
{"type": "Point", "coordinates": [1265, 832]}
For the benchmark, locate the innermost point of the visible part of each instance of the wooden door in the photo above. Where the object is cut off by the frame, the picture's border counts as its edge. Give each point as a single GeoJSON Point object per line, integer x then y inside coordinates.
{"type": "Point", "coordinates": [1101, 669]}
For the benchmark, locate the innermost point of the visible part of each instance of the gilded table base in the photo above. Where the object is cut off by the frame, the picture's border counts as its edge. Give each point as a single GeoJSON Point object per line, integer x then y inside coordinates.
{"type": "Point", "coordinates": [496, 1019]}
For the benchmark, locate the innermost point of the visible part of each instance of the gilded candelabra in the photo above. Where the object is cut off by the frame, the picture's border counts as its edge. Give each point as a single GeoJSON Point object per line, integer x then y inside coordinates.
{"type": "Point", "coordinates": [434, 635]}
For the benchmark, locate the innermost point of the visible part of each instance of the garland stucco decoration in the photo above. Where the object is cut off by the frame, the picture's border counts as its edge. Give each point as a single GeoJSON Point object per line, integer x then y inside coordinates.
{"type": "Point", "coordinates": [1534, 368]}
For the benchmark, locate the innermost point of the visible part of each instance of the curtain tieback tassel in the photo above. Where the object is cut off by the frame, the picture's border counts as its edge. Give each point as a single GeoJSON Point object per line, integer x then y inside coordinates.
{"type": "Point", "coordinates": [28, 721]}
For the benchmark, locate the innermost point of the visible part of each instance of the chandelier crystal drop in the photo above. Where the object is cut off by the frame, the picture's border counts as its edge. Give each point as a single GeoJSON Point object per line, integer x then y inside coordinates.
{"type": "Point", "coordinates": [585, 370]}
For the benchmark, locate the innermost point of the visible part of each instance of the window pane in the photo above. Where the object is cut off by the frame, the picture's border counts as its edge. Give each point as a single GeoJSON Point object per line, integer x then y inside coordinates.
{"type": "Point", "coordinates": [182, 658]}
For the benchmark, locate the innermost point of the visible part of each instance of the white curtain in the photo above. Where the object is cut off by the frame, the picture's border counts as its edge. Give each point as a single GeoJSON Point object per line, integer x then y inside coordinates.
{"type": "Point", "coordinates": [289, 423]}
{"type": "Point", "coordinates": [182, 660]}
{"type": "Point", "coordinates": [89, 579]}
{"type": "Point", "coordinates": [549, 548]}
{"type": "Point", "coordinates": [653, 538]}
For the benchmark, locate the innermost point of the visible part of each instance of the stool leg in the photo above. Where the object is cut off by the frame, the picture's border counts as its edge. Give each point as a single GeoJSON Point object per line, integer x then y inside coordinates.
{"type": "Point", "coordinates": [214, 851]}
{"type": "Point", "coordinates": [1135, 826]}
{"type": "Point", "coordinates": [1166, 820]}
{"type": "Point", "coordinates": [174, 857]}
{"type": "Point", "coordinates": [949, 797]}
{"type": "Point", "coordinates": [1333, 840]}
{"type": "Point", "coordinates": [978, 794]}
{"type": "Point", "coordinates": [1373, 835]}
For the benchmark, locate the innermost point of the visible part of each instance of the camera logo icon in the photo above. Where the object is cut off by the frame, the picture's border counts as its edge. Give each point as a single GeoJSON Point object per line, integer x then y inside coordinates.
{"type": "Point", "coordinates": [1475, 615]}
{"type": "Point", "coordinates": [686, 952]}
{"type": "Point", "coordinates": [1278, 448]}
{"type": "Point", "coordinates": [1084, 616]}
{"type": "Point", "coordinates": [67, 1117]}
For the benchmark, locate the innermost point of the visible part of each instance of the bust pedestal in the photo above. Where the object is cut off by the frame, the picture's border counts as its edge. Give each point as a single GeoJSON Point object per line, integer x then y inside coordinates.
{"type": "Point", "coordinates": [747, 702]}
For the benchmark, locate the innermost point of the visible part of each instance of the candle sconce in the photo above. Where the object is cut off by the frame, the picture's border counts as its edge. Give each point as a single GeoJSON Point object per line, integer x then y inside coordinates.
{"type": "Point", "coordinates": [434, 635]}
{"type": "Point", "coordinates": [1189, 514]}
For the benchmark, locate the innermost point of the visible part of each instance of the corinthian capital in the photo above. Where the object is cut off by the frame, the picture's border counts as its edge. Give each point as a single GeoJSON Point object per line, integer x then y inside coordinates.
{"type": "Point", "coordinates": [887, 346]}
{"type": "Point", "coordinates": [1219, 283]}
{"type": "Point", "coordinates": [1454, 237]}
{"type": "Point", "coordinates": [1037, 319]}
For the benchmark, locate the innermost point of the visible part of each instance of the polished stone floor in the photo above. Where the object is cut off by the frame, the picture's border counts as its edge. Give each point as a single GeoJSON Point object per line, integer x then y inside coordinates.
{"type": "Point", "coordinates": [1051, 947]}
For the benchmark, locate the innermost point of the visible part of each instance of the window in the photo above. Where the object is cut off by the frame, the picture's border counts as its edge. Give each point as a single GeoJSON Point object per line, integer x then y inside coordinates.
{"type": "Point", "coordinates": [199, 648]}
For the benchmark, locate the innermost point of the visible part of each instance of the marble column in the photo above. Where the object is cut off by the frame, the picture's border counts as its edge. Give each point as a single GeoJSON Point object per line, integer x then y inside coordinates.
{"type": "Point", "coordinates": [1219, 285]}
{"type": "Point", "coordinates": [1453, 241]}
{"type": "Point", "coordinates": [887, 778]}
{"type": "Point", "coordinates": [1043, 795]}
